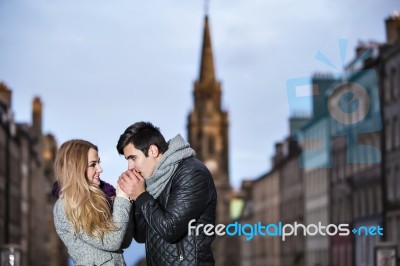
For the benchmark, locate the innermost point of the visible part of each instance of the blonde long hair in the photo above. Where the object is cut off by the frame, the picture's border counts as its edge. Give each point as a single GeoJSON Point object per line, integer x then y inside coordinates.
{"type": "Point", "coordinates": [85, 204]}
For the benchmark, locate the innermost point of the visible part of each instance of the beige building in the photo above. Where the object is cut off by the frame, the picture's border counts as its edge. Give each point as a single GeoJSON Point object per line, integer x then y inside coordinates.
{"type": "Point", "coordinates": [292, 203]}
{"type": "Point", "coordinates": [26, 178]}
{"type": "Point", "coordinates": [342, 181]}
{"type": "Point", "coordinates": [246, 248]}
{"type": "Point", "coordinates": [266, 200]}
{"type": "Point", "coordinates": [316, 192]}
{"type": "Point", "coordinates": [262, 206]}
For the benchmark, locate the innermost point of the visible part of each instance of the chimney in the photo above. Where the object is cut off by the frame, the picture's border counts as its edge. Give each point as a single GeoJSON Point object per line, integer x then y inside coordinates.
{"type": "Point", "coordinates": [279, 154]}
{"type": "Point", "coordinates": [360, 49]}
{"type": "Point", "coordinates": [393, 28]}
{"type": "Point", "coordinates": [279, 148]}
{"type": "Point", "coordinates": [37, 117]}
{"type": "Point", "coordinates": [5, 95]}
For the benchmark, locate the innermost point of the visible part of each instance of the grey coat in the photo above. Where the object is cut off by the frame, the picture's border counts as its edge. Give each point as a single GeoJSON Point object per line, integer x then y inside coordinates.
{"type": "Point", "coordinates": [86, 250]}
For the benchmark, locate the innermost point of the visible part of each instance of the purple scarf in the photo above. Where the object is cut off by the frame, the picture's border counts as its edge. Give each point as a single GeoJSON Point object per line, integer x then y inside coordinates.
{"type": "Point", "coordinates": [108, 189]}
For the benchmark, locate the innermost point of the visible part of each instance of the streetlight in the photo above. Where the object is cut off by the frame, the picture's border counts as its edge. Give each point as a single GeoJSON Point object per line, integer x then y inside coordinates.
{"type": "Point", "coordinates": [10, 255]}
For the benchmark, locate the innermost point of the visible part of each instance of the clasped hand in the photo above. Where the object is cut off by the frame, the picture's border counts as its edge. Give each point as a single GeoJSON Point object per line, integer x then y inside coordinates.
{"type": "Point", "coordinates": [132, 184]}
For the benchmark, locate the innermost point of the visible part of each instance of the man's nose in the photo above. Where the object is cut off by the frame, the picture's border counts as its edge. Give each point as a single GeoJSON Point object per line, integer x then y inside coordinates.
{"type": "Point", "coordinates": [131, 165]}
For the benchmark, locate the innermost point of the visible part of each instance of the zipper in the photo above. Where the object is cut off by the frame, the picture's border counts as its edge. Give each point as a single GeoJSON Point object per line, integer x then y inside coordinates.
{"type": "Point", "coordinates": [181, 253]}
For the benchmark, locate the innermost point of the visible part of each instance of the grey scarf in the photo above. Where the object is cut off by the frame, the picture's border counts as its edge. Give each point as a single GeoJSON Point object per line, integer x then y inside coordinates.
{"type": "Point", "coordinates": [178, 149]}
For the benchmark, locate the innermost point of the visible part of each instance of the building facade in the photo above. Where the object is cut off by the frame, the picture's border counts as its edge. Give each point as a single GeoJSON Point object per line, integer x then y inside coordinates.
{"type": "Point", "coordinates": [26, 178]}
{"type": "Point", "coordinates": [266, 209]}
{"type": "Point", "coordinates": [343, 169]}
{"type": "Point", "coordinates": [292, 204]}
{"type": "Point", "coordinates": [316, 161]}
{"type": "Point", "coordinates": [390, 97]}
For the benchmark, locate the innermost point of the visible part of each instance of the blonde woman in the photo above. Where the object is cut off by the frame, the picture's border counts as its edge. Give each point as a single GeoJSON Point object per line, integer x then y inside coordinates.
{"type": "Point", "coordinates": [93, 231]}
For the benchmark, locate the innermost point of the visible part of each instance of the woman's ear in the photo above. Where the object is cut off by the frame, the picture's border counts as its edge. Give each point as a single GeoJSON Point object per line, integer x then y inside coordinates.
{"type": "Point", "coordinates": [153, 151]}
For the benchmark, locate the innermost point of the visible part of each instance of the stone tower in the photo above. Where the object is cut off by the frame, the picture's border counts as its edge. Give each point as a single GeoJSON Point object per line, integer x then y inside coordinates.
{"type": "Point", "coordinates": [208, 133]}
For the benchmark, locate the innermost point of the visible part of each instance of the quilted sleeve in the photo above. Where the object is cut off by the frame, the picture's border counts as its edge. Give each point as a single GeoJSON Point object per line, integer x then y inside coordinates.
{"type": "Point", "coordinates": [188, 198]}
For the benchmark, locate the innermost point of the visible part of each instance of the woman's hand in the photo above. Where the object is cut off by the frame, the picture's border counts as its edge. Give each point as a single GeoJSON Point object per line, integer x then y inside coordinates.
{"type": "Point", "coordinates": [121, 193]}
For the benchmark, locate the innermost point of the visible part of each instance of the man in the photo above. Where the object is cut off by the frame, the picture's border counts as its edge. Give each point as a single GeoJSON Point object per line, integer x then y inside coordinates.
{"type": "Point", "coordinates": [169, 187]}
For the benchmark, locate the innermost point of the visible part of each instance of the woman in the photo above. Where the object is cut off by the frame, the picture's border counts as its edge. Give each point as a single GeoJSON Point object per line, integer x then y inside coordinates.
{"type": "Point", "coordinates": [92, 233]}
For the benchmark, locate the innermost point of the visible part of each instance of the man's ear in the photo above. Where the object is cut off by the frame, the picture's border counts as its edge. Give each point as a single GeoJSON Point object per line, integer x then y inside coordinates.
{"type": "Point", "coordinates": [153, 151]}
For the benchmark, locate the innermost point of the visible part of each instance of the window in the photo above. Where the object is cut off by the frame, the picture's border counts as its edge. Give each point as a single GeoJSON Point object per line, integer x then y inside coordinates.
{"type": "Point", "coordinates": [355, 206]}
{"type": "Point", "coordinates": [394, 132]}
{"type": "Point", "coordinates": [370, 202]}
{"type": "Point", "coordinates": [393, 91]}
{"type": "Point", "coordinates": [379, 199]}
{"type": "Point", "coordinates": [397, 235]}
{"type": "Point", "coordinates": [389, 185]}
{"type": "Point", "coordinates": [388, 135]}
{"type": "Point", "coordinates": [396, 186]}
{"type": "Point", "coordinates": [2, 157]}
{"type": "Point", "coordinates": [396, 137]}
{"type": "Point", "coordinates": [363, 202]}
{"type": "Point", "coordinates": [398, 82]}
{"type": "Point", "coordinates": [211, 145]}
{"type": "Point", "coordinates": [387, 92]}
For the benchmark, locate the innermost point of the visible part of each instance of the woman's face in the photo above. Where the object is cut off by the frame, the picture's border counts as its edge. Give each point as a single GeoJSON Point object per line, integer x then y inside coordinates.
{"type": "Point", "coordinates": [94, 169]}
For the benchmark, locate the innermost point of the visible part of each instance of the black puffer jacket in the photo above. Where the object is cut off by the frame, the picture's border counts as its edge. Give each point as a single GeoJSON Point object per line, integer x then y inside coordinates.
{"type": "Point", "coordinates": [163, 222]}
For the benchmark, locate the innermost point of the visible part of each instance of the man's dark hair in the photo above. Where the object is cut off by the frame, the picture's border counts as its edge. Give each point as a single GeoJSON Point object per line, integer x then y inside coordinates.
{"type": "Point", "coordinates": [142, 135]}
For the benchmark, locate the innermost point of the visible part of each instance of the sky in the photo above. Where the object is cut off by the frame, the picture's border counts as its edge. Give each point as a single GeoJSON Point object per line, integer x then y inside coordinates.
{"type": "Point", "coordinates": [99, 66]}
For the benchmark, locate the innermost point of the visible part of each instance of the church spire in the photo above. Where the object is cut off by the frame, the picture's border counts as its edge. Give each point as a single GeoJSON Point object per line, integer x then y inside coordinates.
{"type": "Point", "coordinates": [207, 63]}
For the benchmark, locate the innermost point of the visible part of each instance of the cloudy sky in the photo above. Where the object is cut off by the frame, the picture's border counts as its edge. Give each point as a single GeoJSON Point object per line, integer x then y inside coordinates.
{"type": "Point", "coordinates": [100, 66]}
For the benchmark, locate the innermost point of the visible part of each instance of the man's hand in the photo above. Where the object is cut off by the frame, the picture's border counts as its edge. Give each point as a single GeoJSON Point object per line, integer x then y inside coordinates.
{"type": "Point", "coordinates": [132, 183]}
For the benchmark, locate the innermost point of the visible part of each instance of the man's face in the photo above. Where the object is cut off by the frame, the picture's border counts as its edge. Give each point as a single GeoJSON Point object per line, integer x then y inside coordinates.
{"type": "Point", "coordinates": [138, 162]}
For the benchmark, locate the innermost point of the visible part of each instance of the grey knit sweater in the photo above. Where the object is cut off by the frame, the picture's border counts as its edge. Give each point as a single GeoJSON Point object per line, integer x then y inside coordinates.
{"type": "Point", "coordinates": [86, 250]}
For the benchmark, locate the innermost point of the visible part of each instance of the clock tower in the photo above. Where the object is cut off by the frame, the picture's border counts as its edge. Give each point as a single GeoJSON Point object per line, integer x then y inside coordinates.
{"type": "Point", "coordinates": [208, 129]}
